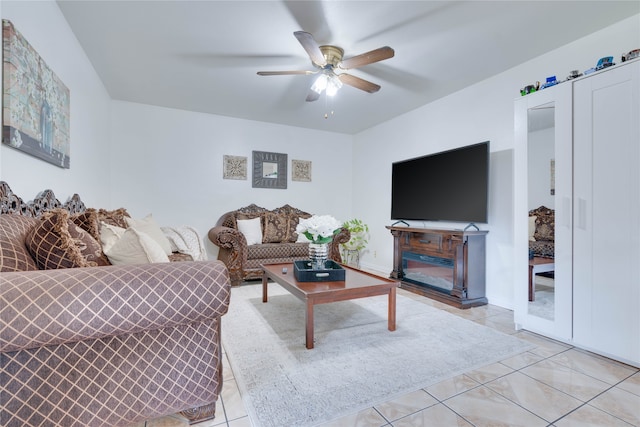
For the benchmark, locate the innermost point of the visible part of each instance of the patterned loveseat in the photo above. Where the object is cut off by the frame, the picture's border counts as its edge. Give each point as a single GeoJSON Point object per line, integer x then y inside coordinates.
{"type": "Point", "coordinates": [542, 232]}
{"type": "Point", "coordinates": [279, 243]}
{"type": "Point", "coordinates": [103, 345]}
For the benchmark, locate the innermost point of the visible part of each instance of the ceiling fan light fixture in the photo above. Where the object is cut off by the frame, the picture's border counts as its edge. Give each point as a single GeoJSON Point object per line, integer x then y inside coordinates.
{"type": "Point", "coordinates": [327, 59]}
{"type": "Point", "coordinates": [327, 81]}
{"type": "Point", "coordinates": [320, 84]}
{"type": "Point", "coordinates": [333, 85]}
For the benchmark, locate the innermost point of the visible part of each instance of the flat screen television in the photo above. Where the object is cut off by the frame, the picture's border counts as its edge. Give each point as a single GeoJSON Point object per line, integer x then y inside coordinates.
{"type": "Point", "coordinates": [447, 186]}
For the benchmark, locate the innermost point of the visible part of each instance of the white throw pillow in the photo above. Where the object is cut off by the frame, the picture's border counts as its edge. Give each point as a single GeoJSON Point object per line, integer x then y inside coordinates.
{"type": "Point", "coordinates": [150, 227]}
{"type": "Point", "coordinates": [109, 234]}
{"type": "Point", "coordinates": [532, 227]}
{"type": "Point", "coordinates": [135, 247]}
{"type": "Point", "coordinates": [252, 230]}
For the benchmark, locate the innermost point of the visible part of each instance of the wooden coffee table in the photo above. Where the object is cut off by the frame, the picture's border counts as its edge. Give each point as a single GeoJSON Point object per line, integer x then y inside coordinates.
{"type": "Point", "coordinates": [357, 284]}
{"type": "Point", "coordinates": [538, 265]}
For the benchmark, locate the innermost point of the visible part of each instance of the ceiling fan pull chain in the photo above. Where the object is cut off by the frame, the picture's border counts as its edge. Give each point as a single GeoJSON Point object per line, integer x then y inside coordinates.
{"type": "Point", "coordinates": [328, 100]}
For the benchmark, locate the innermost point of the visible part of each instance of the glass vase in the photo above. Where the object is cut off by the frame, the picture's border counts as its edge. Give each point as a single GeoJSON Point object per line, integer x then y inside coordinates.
{"type": "Point", "coordinates": [318, 254]}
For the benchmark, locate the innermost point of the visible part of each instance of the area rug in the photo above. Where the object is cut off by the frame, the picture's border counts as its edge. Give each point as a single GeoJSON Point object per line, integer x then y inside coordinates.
{"type": "Point", "coordinates": [543, 306]}
{"type": "Point", "coordinates": [356, 363]}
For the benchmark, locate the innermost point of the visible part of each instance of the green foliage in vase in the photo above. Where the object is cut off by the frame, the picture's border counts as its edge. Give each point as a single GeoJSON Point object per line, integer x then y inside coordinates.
{"type": "Point", "coordinates": [359, 235]}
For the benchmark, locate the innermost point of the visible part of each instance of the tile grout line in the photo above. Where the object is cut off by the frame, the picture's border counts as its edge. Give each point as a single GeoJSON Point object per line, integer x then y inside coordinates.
{"type": "Point", "coordinates": [611, 387]}
{"type": "Point", "coordinates": [548, 358]}
{"type": "Point", "coordinates": [584, 403]}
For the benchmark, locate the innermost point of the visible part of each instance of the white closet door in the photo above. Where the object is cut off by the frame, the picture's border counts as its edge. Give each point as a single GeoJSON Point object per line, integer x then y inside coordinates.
{"type": "Point", "coordinates": [556, 100]}
{"type": "Point", "coordinates": [606, 285]}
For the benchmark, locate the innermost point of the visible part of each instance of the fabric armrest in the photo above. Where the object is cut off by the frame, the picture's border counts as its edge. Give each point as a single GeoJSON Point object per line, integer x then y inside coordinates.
{"type": "Point", "coordinates": [233, 250]}
{"type": "Point", "coordinates": [57, 306]}
{"type": "Point", "coordinates": [227, 237]}
{"type": "Point", "coordinates": [343, 236]}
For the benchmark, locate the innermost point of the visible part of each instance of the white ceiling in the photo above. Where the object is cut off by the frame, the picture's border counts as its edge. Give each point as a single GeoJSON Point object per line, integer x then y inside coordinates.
{"type": "Point", "coordinates": [203, 55]}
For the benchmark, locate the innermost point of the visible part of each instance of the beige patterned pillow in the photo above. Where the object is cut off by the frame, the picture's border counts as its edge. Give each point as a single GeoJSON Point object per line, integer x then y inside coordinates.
{"type": "Point", "coordinates": [149, 226]}
{"type": "Point", "coordinates": [13, 252]}
{"type": "Point", "coordinates": [532, 228]}
{"type": "Point", "coordinates": [275, 228]}
{"type": "Point", "coordinates": [56, 242]}
{"type": "Point", "coordinates": [88, 221]}
{"type": "Point", "coordinates": [109, 235]}
{"type": "Point", "coordinates": [292, 236]}
{"type": "Point", "coordinates": [115, 217]}
{"type": "Point", "coordinates": [135, 247]}
{"type": "Point", "coordinates": [545, 227]}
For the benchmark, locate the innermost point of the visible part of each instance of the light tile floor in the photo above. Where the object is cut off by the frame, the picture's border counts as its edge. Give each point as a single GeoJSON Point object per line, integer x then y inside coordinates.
{"type": "Point", "coordinates": [552, 385]}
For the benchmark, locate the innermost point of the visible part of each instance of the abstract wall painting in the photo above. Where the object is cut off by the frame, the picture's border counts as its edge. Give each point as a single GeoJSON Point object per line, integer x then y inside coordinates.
{"type": "Point", "coordinates": [35, 112]}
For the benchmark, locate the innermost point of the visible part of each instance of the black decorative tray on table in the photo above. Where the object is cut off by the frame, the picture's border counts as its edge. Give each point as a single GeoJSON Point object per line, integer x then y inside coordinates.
{"type": "Point", "coordinates": [332, 272]}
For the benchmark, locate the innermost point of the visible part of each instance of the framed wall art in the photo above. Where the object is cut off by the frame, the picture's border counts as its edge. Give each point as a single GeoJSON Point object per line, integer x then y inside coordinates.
{"type": "Point", "coordinates": [269, 170]}
{"type": "Point", "coordinates": [35, 113]}
{"type": "Point", "coordinates": [234, 167]}
{"type": "Point", "coordinates": [301, 170]}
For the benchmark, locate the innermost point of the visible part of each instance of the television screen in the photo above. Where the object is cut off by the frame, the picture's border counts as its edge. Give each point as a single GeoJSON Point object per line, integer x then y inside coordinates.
{"type": "Point", "coordinates": [447, 186]}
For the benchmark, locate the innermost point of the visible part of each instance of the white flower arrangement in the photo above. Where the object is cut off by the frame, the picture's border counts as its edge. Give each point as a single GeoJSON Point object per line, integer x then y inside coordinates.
{"type": "Point", "coordinates": [319, 228]}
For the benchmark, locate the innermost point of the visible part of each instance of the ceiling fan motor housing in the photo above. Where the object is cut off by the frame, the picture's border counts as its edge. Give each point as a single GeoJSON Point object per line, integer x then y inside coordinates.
{"type": "Point", "coordinates": [329, 58]}
{"type": "Point", "coordinates": [332, 54]}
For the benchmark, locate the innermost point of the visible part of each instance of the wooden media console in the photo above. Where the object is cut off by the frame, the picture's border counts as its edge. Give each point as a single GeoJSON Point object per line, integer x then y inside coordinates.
{"type": "Point", "coordinates": [446, 265]}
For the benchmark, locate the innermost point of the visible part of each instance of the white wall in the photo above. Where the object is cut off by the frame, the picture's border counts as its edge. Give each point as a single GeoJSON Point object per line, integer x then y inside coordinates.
{"type": "Point", "coordinates": [169, 162]}
{"type": "Point", "coordinates": [540, 151]}
{"type": "Point", "coordinates": [45, 28]}
{"type": "Point", "coordinates": [481, 112]}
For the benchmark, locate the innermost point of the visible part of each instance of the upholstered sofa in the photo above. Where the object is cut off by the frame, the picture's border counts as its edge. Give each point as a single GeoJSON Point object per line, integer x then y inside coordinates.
{"type": "Point", "coordinates": [279, 242]}
{"type": "Point", "coordinates": [542, 232]}
{"type": "Point", "coordinates": [100, 344]}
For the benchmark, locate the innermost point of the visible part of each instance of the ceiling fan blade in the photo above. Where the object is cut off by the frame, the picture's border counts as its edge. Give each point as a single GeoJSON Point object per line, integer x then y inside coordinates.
{"type": "Point", "coordinates": [311, 46]}
{"type": "Point", "coordinates": [359, 83]}
{"type": "Point", "coordinates": [312, 96]}
{"type": "Point", "coordinates": [285, 73]}
{"type": "Point", "coordinates": [375, 55]}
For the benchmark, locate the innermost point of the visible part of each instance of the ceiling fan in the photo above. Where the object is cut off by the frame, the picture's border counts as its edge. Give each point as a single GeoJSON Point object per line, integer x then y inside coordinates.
{"type": "Point", "coordinates": [328, 59]}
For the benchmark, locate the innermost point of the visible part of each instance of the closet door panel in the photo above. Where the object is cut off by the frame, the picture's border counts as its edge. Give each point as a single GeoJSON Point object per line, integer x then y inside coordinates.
{"type": "Point", "coordinates": [606, 283]}
{"type": "Point", "coordinates": [543, 125]}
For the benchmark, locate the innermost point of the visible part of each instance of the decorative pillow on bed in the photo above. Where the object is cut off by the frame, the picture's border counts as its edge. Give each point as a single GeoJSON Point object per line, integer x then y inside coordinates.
{"type": "Point", "coordinates": [56, 242]}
